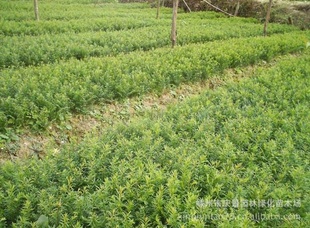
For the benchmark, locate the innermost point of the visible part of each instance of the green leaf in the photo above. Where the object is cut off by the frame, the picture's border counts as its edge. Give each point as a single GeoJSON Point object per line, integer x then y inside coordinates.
{"type": "Point", "coordinates": [42, 221]}
{"type": "Point", "coordinates": [4, 137]}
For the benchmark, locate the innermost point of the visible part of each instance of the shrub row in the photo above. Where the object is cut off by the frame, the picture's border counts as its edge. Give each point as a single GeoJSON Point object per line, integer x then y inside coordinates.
{"type": "Point", "coordinates": [29, 50]}
{"type": "Point", "coordinates": [59, 18]}
{"type": "Point", "coordinates": [35, 96]}
{"type": "Point", "coordinates": [50, 11]}
{"type": "Point", "coordinates": [10, 28]}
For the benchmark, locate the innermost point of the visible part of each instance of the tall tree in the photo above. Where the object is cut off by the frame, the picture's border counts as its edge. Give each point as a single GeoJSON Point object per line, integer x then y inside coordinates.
{"type": "Point", "coordinates": [36, 9]}
{"type": "Point", "coordinates": [174, 23]}
{"type": "Point", "coordinates": [267, 17]}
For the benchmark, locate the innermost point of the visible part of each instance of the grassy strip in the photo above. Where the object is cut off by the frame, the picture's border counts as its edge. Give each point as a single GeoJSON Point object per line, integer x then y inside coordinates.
{"type": "Point", "coordinates": [26, 99]}
{"type": "Point", "coordinates": [245, 141]}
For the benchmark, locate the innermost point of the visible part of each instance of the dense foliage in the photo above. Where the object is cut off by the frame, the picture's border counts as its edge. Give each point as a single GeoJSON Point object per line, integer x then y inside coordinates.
{"type": "Point", "coordinates": [235, 156]}
{"type": "Point", "coordinates": [28, 50]}
{"type": "Point", "coordinates": [69, 32]}
{"type": "Point", "coordinates": [245, 141]}
{"type": "Point", "coordinates": [27, 98]}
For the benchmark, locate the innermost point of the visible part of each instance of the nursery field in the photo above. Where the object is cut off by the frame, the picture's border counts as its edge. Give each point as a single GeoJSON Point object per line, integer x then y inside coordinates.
{"type": "Point", "coordinates": [234, 155]}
